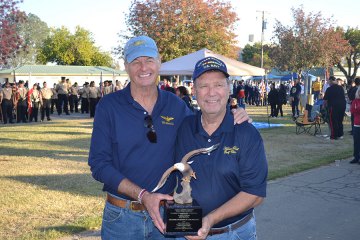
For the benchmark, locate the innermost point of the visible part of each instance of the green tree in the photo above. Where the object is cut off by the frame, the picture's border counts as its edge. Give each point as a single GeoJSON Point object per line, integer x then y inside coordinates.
{"type": "Point", "coordinates": [79, 48]}
{"type": "Point", "coordinates": [251, 54]}
{"type": "Point", "coordinates": [33, 32]}
{"type": "Point", "coordinates": [352, 59]}
{"type": "Point", "coordinates": [184, 26]}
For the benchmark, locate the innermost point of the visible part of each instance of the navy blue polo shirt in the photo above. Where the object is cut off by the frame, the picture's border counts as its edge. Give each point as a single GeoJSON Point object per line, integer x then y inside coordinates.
{"type": "Point", "coordinates": [237, 165]}
{"type": "Point", "coordinates": [120, 148]}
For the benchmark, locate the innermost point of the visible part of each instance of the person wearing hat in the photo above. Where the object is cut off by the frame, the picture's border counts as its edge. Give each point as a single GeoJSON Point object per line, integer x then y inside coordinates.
{"type": "Point", "coordinates": [46, 94]}
{"type": "Point", "coordinates": [84, 95]}
{"type": "Point", "coordinates": [132, 144]}
{"type": "Point", "coordinates": [230, 181]}
{"type": "Point", "coordinates": [6, 103]}
{"type": "Point", "coordinates": [62, 89]}
{"type": "Point", "coordinates": [35, 100]}
{"type": "Point", "coordinates": [54, 99]}
{"type": "Point", "coordinates": [73, 98]}
{"type": "Point", "coordinates": [22, 102]}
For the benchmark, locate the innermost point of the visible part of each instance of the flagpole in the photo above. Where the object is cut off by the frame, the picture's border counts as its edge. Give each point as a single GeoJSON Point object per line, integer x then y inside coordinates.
{"type": "Point", "coordinates": [101, 81]}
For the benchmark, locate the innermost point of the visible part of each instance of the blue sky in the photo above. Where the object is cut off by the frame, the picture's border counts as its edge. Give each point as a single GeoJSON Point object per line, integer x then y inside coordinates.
{"type": "Point", "coordinates": [105, 18]}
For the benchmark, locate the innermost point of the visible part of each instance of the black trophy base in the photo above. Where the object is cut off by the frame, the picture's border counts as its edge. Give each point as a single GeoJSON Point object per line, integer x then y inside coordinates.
{"type": "Point", "coordinates": [182, 219]}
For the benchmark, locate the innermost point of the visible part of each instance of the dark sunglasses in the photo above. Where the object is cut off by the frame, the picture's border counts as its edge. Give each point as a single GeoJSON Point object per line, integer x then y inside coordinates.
{"type": "Point", "coordinates": [151, 134]}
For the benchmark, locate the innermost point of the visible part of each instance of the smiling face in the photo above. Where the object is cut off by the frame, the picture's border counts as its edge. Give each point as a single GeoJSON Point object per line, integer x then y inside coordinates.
{"type": "Point", "coordinates": [143, 71]}
{"type": "Point", "coordinates": [212, 93]}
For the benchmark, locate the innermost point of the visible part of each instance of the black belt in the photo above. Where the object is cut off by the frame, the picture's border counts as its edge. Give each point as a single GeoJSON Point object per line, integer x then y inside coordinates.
{"type": "Point", "coordinates": [233, 226]}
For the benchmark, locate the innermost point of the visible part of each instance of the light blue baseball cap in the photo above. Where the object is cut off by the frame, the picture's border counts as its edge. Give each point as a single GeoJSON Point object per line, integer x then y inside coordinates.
{"type": "Point", "coordinates": [141, 46]}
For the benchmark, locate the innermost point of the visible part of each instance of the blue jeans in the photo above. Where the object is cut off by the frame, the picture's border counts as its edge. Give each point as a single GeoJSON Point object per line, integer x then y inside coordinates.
{"type": "Point", "coordinates": [123, 223]}
{"type": "Point", "coordinates": [245, 232]}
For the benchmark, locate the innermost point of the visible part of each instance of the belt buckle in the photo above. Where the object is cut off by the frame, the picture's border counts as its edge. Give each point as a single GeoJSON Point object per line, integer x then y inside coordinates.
{"type": "Point", "coordinates": [133, 205]}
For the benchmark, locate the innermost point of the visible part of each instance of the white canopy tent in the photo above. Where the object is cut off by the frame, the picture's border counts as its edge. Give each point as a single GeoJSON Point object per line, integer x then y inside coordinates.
{"type": "Point", "coordinates": [185, 65]}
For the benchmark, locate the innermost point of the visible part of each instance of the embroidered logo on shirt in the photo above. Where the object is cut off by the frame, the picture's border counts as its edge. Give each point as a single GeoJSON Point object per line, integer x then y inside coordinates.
{"type": "Point", "coordinates": [167, 120]}
{"type": "Point", "coordinates": [231, 150]}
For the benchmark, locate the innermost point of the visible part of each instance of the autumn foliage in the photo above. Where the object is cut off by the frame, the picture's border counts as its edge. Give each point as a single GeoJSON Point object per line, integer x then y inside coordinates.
{"type": "Point", "coordinates": [312, 41]}
{"type": "Point", "coordinates": [10, 40]}
{"type": "Point", "coordinates": [184, 26]}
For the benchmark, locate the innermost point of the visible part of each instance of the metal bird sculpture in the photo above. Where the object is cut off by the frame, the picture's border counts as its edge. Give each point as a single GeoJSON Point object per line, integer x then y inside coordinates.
{"type": "Point", "coordinates": [184, 167]}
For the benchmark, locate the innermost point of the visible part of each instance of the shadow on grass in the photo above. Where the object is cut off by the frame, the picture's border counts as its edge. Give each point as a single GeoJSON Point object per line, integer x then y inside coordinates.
{"type": "Point", "coordinates": [65, 229]}
{"type": "Point", "coordinates": [55, 154]}
{"type": "Point", "coordinates": [81, 184]}
{"type": "Point", "coordinates": [42, 132]}
{"type": "Point", "coordinates": [78, 125]}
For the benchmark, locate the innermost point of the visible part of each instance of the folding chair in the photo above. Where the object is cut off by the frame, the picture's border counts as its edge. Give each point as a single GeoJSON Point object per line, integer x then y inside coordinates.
{"type": "Point", "coordinates": [306, 126]}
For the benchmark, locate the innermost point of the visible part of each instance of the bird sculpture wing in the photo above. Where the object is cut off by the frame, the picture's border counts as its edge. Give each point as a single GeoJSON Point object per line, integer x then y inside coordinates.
{"type": "Point", "coordinates": [192, 153]}
{"type": "Point", "coordinates": [163, 179]}
{"type": "Point", "coordinates": [185, 165]}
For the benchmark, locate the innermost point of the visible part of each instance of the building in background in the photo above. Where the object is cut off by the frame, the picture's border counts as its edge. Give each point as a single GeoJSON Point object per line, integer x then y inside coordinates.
{"type": "Point", "coordinates": [52, 74]}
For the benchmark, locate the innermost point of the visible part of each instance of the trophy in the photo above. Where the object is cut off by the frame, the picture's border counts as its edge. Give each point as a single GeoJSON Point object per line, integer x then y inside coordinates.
{"type": "Point", "coordinates": [183, 216]}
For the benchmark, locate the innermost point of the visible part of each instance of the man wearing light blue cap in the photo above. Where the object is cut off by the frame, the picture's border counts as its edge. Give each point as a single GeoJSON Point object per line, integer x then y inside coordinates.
{"type": "Point", "coordinates": [140, 46]}
{"type": "Point", "coordinates": [133, 143]}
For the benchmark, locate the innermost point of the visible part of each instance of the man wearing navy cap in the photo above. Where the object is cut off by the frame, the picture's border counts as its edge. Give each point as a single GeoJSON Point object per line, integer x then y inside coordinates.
{"type": "Point", "coordinates": [133, 143]}
{"type": "Point", "coordinates": [231, 180]}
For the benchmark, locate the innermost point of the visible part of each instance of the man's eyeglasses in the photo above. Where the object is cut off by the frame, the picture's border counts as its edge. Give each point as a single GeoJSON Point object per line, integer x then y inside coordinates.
{"type": "Point", "coordinates": [151, 134]}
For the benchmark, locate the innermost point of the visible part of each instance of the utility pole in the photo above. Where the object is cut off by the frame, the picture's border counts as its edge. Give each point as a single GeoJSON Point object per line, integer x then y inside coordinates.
{"type": "Point", "coordinates": [263, 27]}
{"type": "Point", "coordinates": [262, 38]}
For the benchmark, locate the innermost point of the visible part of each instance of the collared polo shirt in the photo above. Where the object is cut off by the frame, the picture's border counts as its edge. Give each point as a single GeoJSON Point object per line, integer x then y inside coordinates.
{"type": "Point", "coordinates": [119, 144]}
{"type": "Point", "coordinates": [237, 165]}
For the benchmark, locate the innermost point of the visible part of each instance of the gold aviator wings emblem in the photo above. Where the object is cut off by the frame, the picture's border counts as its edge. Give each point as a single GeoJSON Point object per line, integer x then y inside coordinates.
{"type": "Point", "coordinates": [167, 119]}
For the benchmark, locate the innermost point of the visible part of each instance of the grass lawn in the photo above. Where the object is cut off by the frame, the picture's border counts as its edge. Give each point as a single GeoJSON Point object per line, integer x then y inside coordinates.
{"type": "Point", "coordinates": [47, 190]}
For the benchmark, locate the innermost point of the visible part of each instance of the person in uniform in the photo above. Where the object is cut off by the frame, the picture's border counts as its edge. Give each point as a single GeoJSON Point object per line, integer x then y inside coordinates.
{"type": "Point", "coordinates": [107, 88]}
{"type": "Point", "coordinates": [84, 95]}
{"type": "Point", "coordinates": [35, 103]}
{"type": "Point", "coordinates": [46, 94]}
{"type": "Point", "coordinates": [94, 94]}
{"type": "Point", "coordinates": [335, 101]}
{"type": "Point", "coordinates": [54, 100]}
{"type": "Point", "coordinates": [63, 90]}
{"type": "Point", "coordinates": [22, 102]}
{"type": "Point", "coordinates": [118, 85]}
{"type": "Point", "coordinates": [6, 101]}
{"type": "Point", "coordinates": [74, 99]}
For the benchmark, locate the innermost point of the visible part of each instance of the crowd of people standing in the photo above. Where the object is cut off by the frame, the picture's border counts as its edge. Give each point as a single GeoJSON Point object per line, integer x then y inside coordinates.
{"type": "Point", "coordinates": [21, 103]}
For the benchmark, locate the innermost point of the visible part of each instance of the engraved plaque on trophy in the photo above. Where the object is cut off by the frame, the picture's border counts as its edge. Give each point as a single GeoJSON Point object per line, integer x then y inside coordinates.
{"type": "Point", "coordinates": [183, 216]}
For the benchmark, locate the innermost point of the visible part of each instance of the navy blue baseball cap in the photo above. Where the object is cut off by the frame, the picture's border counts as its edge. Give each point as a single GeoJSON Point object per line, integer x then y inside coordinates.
{"type": "Point", "coordinates": [141, 46]}
{"type": "Point", "coordinates": [207, 64]}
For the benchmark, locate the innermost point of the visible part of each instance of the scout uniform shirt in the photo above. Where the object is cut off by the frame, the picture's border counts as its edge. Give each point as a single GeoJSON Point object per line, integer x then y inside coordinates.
{"type": "Point", "coordinates": [46, 93]}
{"type": "Point", "coordinates": [94, 92]}
{"type": "Point", "coordinates": [62, 88]}
{"type": "Point", "coordinates": [74, 91]}
{"type": "Point", "coordinates": [22, 93]}
{"type": "Point", "coordinates": [6, 93]}
{"type": "Point", "coordinates": [54, 94]}
{"type": "Point", "coordinates": [107, 90]}
{"type": "Point", "coordinates": [84, 93]}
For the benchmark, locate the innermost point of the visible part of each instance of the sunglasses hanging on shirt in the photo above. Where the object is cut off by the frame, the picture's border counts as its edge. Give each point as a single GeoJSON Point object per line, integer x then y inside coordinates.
{"type": "Point", "coordinates": [151, 134]}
